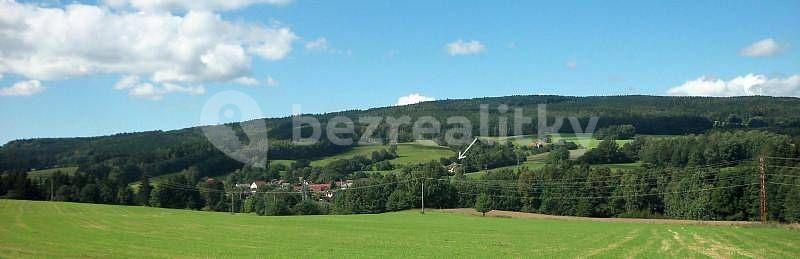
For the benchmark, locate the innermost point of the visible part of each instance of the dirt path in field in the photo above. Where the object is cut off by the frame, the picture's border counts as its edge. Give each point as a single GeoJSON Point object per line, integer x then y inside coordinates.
{"type": "Point", "coordinates": [525, 215]}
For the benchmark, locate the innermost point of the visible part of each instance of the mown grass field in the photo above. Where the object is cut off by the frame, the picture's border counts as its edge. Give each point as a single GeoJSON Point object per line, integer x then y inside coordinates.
{"type": "Point", "coordinates": [53, 229]}
{"type": "Point", "coordinates": [409, 153]}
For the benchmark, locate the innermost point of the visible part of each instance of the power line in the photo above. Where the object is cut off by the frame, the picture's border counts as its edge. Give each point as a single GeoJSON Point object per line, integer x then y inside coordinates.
{"type": "Point", "coordinates": [680, 174]}
{"type": "Point", "coordinates": [545, 186]}
{"type": "Point", "coordinates": [679, 170]}
{"type": "Point", "coordinates": [783, 166]}
{"type": "Point", "coordinates": [783, 158]}
{"type": "Point", "coordinates": [784, 175]}
{"type": "Point", "coordinates": [788, 184]}
{"type": "Point", "coordinates": [623, 196]}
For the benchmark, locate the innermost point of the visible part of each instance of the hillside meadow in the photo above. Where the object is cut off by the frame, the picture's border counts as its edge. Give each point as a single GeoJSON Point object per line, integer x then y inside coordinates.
{"type": "Point", "coordinates": [55, 229]}
{"type": "Point", "coordinates": [409, 153]}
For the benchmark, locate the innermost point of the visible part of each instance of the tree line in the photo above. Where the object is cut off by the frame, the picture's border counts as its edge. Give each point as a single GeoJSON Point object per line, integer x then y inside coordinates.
{"type": "Point", "coordinates": [705, 176]}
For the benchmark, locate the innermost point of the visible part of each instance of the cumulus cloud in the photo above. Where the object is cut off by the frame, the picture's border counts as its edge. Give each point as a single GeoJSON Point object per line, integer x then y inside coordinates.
{"type": "Point", "coordinates": [152, 91]}
{"type": "Point", "coordinates": [44, 43]}
{"type": "Point", "coordinates": [186, 5]}
{"type": "Point", "coordinates": [751, 84]}
{"type": "Point", "coordinates": [763, 48]}
{"type": "Point", "coordinates": [412, 99]}
{"type": "Point", "coordinates": [271, 81]}
{"type": "Point", "coordinates": [461, 47]}
{"type": "Point", "coordinates": [23, 88]}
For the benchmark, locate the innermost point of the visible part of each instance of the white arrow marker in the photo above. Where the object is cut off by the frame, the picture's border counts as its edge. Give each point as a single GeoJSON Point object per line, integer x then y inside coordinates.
{"type": "Point", "coordinates": [462, 155]}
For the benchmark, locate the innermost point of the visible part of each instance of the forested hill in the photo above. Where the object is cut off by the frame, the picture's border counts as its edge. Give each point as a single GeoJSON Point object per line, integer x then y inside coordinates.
{"type": "Point", "coordinates": [160, 152]}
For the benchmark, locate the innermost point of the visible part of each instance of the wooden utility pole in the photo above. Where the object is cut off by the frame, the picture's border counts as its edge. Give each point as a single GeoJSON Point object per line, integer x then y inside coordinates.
{"type": "Point", "coordinates": [762, 194]}
{"type": "Point", "coordinates": [51, 189]}
{"type": "Point", "coordinates": [232, 202]}
{"type": "Point", "coordinates": [241, 198]}
{"type": "Point", "coordinates": [423, 195]}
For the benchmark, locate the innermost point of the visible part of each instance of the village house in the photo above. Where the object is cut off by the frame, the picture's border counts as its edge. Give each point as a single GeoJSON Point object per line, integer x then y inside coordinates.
{"type": "Point", "coordinates": [452, 167]}
{"type": "Point", "coordinates": [255, 185]}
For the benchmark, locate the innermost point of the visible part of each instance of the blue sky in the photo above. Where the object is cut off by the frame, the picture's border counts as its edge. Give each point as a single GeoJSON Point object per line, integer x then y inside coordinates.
{"type": "Point", "coordinates": [362, 54]}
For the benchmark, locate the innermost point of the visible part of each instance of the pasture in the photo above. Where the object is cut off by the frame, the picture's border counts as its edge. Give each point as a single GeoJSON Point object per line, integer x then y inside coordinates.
{"type": "Point", "coordinates": [409, 153]}
{"type": "Point", "coordinates": [55, 229]}
{"type": "Point", "coordinates": [44, 173]}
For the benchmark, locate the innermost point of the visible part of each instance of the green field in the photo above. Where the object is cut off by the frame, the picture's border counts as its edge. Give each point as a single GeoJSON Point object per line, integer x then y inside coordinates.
{"type": "Point", "coordinates": [409, 153]}
{"type": "Point", "coordinates": [53, 229]}
{"type": "Point", "coordinates": [154, 180]}
{"type": "Point", "coordinates": [538, 161]}
{"type": "Point", "coordinates": [47, 172]}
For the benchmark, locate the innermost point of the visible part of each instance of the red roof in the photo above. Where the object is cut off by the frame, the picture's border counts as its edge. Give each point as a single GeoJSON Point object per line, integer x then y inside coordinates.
{"type": "Point", "coordinates": [319, 187]}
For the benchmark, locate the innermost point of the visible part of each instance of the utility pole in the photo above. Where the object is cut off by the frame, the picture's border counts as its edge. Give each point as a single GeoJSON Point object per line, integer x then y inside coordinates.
{"type": "Point", "coordinates": [762, 194]}
{"type": "Point", "coordinates": [51, 189]}
{"type": "Point", "coordinates": [305, 190]}
{"type": "Point", "coordinates": [423, 195]}
{"type": "Point", "coordinates": [232, 202]}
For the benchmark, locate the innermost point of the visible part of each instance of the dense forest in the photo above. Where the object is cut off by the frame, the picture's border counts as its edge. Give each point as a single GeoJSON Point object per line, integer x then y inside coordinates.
{"type": "Point", "coordinates": [164, 152]}
{"type": "Point", "coordinates": [708, 172]}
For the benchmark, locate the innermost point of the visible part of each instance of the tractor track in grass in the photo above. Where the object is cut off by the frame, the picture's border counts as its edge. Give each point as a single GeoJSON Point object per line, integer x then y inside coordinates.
{"type": "Point", "coordinates": [59, 229]}
{"type": "Point", "coordinates": [628, 237]}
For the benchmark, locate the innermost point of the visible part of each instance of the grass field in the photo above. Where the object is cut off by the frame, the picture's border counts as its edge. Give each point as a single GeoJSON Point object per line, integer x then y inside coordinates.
{"type": "Point", "coordinates": [52, 229]}
{"type": "Point", "coordinates": [156, 180]}
{"type": "Point", "coordinates": [584, 140]}
{"type": "Point", "coordinates": [409, 153]}
{"type": "Point", "coordinates": [47, 172]}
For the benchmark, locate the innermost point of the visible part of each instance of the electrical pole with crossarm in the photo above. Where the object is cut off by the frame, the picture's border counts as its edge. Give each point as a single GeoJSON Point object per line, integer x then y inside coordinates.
{"type": "Point", "coordinates": [762, 193]}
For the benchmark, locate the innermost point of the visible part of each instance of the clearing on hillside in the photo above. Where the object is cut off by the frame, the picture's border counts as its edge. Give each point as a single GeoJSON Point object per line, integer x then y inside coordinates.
{"type": "Point", "coordinates": [409, 153]}
{"type": "Point", "coordinates": [55, 229]}
{"type": "Point", "coordinates": [44, 173]}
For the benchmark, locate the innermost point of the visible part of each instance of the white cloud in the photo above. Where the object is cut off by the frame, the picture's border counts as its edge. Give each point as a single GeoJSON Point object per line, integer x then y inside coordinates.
{"type": "Point", "coordinates": [246, 80]}
{"type": "Point", "coordinates": [751, 84]}
{"type": "Point", "coordinates": [277, 43]}
{"type": "Point", "coordinates": [150, 91]}
{"type": "Point", "coordinates": [763, 48]}
{"type": "Point", "coordinates": [46, 43]}
{"type": "Point", "coordinates": [155, 93]}
{"type": "Point", "coordinates": [319, 44]}
{"type": "Point", "coordinates": [412, 99]}
{"type": "Point", "coordinates": [271, 81]}
{"type": "Point", "coordinates": [186, 5]}
{"type": "Point", "coordinates": [126, 82]}
{"type": "Point", "coordinates": [461, 47]}
{"type": "Point", "coordinates": [23, 88]}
